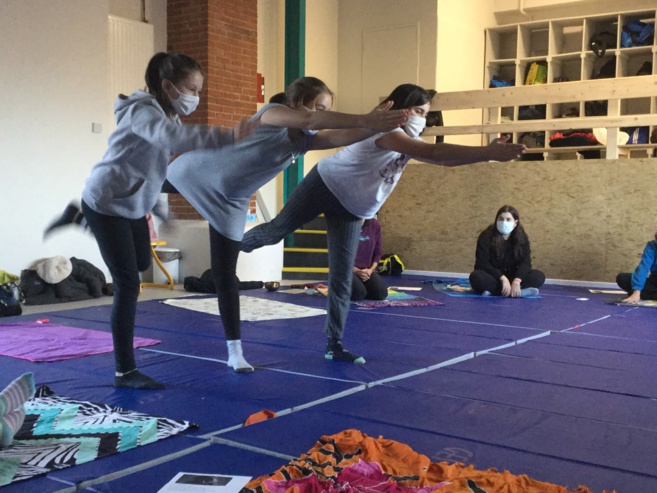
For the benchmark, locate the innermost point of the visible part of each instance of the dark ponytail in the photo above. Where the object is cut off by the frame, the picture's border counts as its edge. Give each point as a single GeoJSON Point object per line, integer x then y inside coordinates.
{"type": "Point", "coordinates": [408, 95]}
{"type": "Point", "coordinates": [173, 67]}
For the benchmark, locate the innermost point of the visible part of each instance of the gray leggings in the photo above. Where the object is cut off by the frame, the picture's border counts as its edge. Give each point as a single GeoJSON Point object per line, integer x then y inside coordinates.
{"type": "Point", "coordinates": [309, 199]}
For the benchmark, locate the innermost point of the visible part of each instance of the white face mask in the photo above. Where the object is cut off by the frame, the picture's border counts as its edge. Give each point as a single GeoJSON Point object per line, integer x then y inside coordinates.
{"type": "Point", "coordinates": [505, 227]}
{"type": "Point", "coordinates": [185, 104]}
{"type": "Point", "coordinates": [415, 125]}
{"type": "Point", "coordinates": [308, 131]}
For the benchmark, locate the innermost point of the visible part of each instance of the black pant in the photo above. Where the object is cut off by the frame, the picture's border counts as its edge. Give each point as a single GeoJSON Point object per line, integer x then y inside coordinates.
{"type": "Point", "coordinates": [125, 246]}
{"type": "Point", "coordinates": [372, 289]}
{"type": "Point", "coordinates": [223, 263]}
{"type": "Point", "coordinates": [649, 291]}
{"type": "Point", "coordinates": [481, 281]}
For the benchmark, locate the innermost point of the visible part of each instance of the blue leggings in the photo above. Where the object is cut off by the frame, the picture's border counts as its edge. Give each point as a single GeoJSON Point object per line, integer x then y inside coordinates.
{"type": "Point", "coordinates": [309, 199]}
{"type": "Point", "coordinates": [125, 246]}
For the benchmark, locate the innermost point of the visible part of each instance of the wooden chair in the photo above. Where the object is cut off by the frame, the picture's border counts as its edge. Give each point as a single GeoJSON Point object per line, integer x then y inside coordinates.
{"type": "Point", "coordinates": [158, 262]}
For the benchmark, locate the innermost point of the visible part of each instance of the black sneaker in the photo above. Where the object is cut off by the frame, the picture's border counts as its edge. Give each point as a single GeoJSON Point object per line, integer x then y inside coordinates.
{"type": "Point", "coordinates": [71, 215]}
{"type": "Point", "coordinates": [335, 352]}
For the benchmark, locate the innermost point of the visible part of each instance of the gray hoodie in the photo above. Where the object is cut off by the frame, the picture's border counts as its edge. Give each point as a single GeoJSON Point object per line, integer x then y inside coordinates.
{"type": "Point", "coordinates": [127, 180]}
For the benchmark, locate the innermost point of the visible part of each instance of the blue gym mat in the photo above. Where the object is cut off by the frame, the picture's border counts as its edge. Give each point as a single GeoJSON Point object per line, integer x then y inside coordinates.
{"type": "Point", "coordinates": [558, 388]}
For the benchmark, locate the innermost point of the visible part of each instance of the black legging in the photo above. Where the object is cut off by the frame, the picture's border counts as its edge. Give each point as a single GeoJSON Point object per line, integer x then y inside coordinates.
{"type": "Point", "coordinates": [649, 291]}
{"type": "Point", "coordinates": [481, 281]}
{"type": "Point", "coordinates": [223, 263]}
{"type": "Point", "coordinates": [125, 247]}
{"type": "Point", "coordinates": [372, 289]}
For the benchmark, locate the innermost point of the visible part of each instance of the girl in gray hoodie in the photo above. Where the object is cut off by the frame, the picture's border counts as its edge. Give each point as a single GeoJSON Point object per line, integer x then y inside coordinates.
{"type": "Point", "coordinates": [125, 185]}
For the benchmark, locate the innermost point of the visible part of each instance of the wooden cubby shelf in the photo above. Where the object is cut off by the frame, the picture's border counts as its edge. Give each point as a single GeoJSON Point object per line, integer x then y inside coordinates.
{"type": "Point", "coordinates": [564, 47]}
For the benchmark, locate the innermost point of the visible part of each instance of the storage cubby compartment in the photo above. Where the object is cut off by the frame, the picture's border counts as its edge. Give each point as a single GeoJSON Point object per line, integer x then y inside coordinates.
{"type": "Point", "coordinates": [534, 40]}
{"type": "Point", "coordinates": [566, 68]}
{"type": "Point", "coordinates": [595, 108]}
{"type": "Point", "coordinates": [636, 61]}
{"type": "Point", "coordinates": [508, 113]}
{"type": "Point", "coordinates": [503, 71]}
{"type": "Point", "coordinates": [604, 30]}
{"type": "Point", "coordinates": [525, 68]}
{"type": "Point", "coordinates": [566, 36]}
{"type": "Point", "coordinates": [635, 106]}
{"type": "Point", "coordinates": [599, 68]}
{"type": "Point", "coordinates": [644, 17]}
{"type": "Point", "coordinates": [502, 43]}
{"type": "Point", "coordinates": [564, 110]}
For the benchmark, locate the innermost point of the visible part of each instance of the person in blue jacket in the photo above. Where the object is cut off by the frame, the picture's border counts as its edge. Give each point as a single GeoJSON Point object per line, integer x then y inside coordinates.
{"type": "Point", "coordinates": [642, 283]}
{"type": "Point", "coordinates": [125, 186]}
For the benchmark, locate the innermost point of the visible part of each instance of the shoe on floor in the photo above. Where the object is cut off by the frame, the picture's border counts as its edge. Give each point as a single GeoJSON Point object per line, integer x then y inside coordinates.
{"type": "Point", "coordinates": [335, 352]}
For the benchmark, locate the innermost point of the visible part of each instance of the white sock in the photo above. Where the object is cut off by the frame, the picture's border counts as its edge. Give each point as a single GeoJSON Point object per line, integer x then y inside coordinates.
{"type": "Point", "coordinates": [529, 292]}
{"type": "Point", "coordinates": [235, 357]}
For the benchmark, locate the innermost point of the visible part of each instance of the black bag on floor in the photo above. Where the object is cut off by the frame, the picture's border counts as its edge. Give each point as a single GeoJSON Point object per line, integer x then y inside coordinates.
{"type": "Point", "coordinates": [10, 300]}
{"type": "Point", "coordinates": [390, 265]}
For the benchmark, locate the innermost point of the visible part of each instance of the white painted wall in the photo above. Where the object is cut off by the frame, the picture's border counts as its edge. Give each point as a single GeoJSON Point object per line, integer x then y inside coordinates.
{"type": "Point", "coordinates": [360, 16]}
{"type": "Point", "coordinates": [460, 56]}
{"type": "Point", "coordinates": [54, 79]}
{"type": "Point", "coordinates": [322, 57]}
{"type": "Point", "coordinates": [271, 56]}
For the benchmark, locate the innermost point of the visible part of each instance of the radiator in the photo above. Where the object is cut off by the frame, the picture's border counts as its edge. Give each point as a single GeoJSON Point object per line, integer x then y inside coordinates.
{"type": "Point", "coordinates": [131, 46]}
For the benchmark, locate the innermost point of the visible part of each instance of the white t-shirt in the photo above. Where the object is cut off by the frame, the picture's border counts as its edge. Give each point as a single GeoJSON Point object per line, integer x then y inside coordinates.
{"type": "Point", "coordinates": [363, 175]}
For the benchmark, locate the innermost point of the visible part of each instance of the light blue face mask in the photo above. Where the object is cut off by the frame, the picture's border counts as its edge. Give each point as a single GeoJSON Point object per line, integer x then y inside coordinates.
{"type": "Point", "coordinates": [505, 227]}
{"type": "Point", "coordinates": [185, 104]}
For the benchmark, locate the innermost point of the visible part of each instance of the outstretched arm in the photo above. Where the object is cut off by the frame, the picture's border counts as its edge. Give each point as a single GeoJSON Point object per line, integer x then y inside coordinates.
{"type": "Point", "coordinates": [380, 121]}
{"type": "Point", "coordinates": [449, 154]}
{"type": "Point", "coordinates": [330, 139]}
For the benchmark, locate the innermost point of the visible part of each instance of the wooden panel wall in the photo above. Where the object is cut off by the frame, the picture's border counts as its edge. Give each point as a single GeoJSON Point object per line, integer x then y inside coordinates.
{"type": "Point", "coordinates": [586, 219]}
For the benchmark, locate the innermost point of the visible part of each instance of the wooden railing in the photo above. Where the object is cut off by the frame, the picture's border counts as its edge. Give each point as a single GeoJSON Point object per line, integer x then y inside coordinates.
{"type": "Point", "coordinates": [491, 101]}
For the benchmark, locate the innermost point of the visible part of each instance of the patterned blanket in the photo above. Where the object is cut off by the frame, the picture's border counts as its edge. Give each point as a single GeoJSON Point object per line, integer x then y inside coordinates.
{"type": "Point", "coordinates": [352, 461]}
{"type": "Point", "coordinates": [397, 298]}
{"type": "Point", "coordinates": [252, 309]}
{"type": "Point", "coordinates": [59, 432]}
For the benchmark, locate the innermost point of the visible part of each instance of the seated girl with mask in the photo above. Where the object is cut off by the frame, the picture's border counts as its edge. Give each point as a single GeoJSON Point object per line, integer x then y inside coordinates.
{"type": "Point", "coordinates": [503, 265]}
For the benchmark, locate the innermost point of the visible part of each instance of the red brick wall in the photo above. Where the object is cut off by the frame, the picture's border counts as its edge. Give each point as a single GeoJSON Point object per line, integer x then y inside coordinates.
{"type": "Point", "coordinates": [222, 36]}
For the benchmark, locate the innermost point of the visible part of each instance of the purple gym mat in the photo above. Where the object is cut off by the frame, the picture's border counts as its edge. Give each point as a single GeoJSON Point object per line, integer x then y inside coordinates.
{"type": "Point", "coordinates": [54, 342]}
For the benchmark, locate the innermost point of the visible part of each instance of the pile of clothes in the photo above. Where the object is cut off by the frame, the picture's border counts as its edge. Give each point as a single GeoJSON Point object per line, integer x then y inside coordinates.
{"type": "Point", "coordinates": [60, 280]}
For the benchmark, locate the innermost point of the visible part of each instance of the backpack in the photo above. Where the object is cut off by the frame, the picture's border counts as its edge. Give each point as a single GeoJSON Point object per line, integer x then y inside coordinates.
{"type": "Point", "coordinates": [10, 299]}
{"type": "Point", "coordinates": [637, 33]}
{"type": "Point", "coordinates": [599, 43]}
{"type": "Point", "coordinates": [390, 265]}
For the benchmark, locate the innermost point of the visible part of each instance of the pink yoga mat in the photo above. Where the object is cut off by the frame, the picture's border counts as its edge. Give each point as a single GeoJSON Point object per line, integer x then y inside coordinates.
{"type": "Point", "coordinates": [53, 342]}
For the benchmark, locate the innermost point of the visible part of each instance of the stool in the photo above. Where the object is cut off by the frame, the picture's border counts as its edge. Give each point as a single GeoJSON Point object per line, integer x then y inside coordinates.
{"type": "Point", "coordinates": [169, 285]}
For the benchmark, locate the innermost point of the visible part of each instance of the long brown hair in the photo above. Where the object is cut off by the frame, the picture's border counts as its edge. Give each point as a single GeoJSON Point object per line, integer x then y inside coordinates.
{"type": "Point", "coordinates": [518, 237]}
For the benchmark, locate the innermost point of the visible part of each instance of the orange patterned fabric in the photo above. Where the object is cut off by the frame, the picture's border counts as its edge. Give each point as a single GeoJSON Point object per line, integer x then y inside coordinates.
{"type": "Point", "coordinates": [332, 463]}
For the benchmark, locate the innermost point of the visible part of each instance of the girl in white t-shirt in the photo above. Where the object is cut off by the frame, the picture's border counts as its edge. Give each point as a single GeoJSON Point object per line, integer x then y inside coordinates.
{"type": "Point", "coordinates": [352, 185]}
